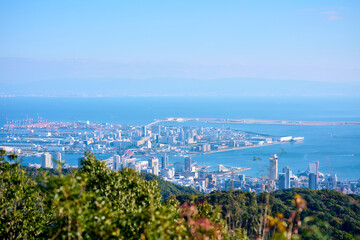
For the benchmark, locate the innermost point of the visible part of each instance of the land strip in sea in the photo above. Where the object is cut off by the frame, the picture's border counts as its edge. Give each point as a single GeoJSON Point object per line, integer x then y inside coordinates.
{"type": "Point", "coordinates": [257, 121]}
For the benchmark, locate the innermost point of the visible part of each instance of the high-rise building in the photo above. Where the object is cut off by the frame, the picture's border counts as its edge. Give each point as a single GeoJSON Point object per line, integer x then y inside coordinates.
{"type": "Point", "coordinates": [287, 172]}
{"type": "Point", "coordinates": [144, 131]}
{"type": "Point", "coordinates": [273, 167]}
{"type": "Point", "coordinates": [154, 165]}
{"type": "Point", "coordinates": [124, 162]}
{"type": "Point", "coordinates": [136, 166]}
{"type": "Point", "coordinates": [168, 172]}
{"type": "Point", "coordinates": [116, 162]}
{"type": "Point", "coordinates": [182, 135]}
{"type": "Point", "coordinates": [187, 164]}
{"type": "Point", "coordinates": [242, 177]}
{"type": "Point", "coordinates": [313, 181]}
{"type": "Point", "coordinates": [165, 161]}
{"type": "Point", "coordinates": [46, 161]}
{"type": "Point", "coordinates": [282, 181]}
{"type": "Point", "coordinates": [179, 167]}
{"type": "Point", "coordinates": [317, 170]}
{"type": "Point", "coordinates": [312, 168]}
{"type": "Point", "coordinates": [56, 156]}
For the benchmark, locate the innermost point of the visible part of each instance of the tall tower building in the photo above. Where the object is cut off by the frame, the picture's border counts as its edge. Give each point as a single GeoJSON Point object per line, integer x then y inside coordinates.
{"type": "Point", "coordinates": [56, 156]}
{"type": "Point", "coordinates": [116, 162]}
{"type": "Point", "coordinates": [187, 164]}
{"type": "Point", "coordinates": [144, 131]}
{"type": "Point", "coordinates": [165, 161]}
{"type": "Point", "coordinates": [282, 181]}
{"type": "Point", "coordinates": [312, 181]}
{"type": "Point", "coordinates": [154, 165]}
{"type": "Point", "coordinates": [287, 172]}
{"type": "Point", "coordinates": [124, 162]}
{"type": "Point", "coordinates": [273, 167]}
{"type": "Point", "coordinates": [317, 170]}
{"type": "Point", "coordinates": [46, 161]}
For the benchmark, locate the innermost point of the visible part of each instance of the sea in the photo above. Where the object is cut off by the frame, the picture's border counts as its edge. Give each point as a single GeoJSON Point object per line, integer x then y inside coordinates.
{"type": "Point", "coordinates": [337, 148]}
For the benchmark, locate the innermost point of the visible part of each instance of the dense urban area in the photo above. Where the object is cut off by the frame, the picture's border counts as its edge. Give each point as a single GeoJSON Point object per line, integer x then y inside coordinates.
{"type": "Point", "coordinates": [129, 146]}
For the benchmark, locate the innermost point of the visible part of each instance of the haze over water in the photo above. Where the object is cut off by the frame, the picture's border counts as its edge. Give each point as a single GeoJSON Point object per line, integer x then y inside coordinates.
{"type": "Point", "coordinates": [337, 148]}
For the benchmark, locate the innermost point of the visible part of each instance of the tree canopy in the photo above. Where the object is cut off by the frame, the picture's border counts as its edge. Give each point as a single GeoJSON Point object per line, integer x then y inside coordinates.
{"type": "Point", "coordinates": [95, 202]}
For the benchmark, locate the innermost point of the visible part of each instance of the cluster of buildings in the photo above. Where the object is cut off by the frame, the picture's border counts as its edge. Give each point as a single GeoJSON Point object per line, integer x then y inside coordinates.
{"type": "Point", "coordinates": [30, 138]}
{"type": "Point", "coordinates": [311, 178]}
{"type": "Point", "coordinates": [148, 148]}
{"type": "Point", "coordinates": [187, 173]}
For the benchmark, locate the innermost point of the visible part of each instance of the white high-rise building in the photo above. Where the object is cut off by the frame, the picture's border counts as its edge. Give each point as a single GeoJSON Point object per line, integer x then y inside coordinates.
{"type": "Point", "coordinates": [46, 160]}
{"type": "Point", "coordinates": [154, 165]}
{"type": "Point", "coordinates": [273, 168]}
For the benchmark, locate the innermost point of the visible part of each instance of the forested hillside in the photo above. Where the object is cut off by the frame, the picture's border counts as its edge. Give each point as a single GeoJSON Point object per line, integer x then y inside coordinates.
{"type": "Point", "coordinates": [335, 213]}
{"type": "Point", "coordinates": [95, 202]}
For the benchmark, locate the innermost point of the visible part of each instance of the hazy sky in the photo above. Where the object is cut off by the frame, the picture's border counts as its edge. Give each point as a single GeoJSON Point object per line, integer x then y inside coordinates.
{"type": "Point", "coordinates": [294, 40]}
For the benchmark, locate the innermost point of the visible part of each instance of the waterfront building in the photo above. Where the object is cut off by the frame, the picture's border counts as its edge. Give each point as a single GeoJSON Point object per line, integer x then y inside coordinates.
{"type": "Point", "coordinates": [165, 161]}
{"type": "Point", "coordinates": [154, 165]}
{"type": "Point", "coordinates": [46, 160]}
{"type": "Point", "coordinates": [206, 147]}
{"type": "Point", "coordinates": [187, 164]}
{"type": "Point", "coordinates": [313, 181]}
{"type": "Point", "coordinates": [273, 167]}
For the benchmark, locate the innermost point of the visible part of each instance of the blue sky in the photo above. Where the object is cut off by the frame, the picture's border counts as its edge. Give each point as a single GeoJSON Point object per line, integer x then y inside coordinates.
{"type": "Point", "coordinates": [293, 40]}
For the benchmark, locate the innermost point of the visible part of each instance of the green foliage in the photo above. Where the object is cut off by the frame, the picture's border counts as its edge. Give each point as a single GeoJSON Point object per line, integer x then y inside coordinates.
{"type": "Point", "coordinates": [168, 189]}
{"type": "Point", "coordinates": [21, 204]}
{"type": "Point", "coordinates": [97, 203]}
{"type": "Point", "coordinates": [329, 214]}
{"type": "Point", "coordinates": [340, 211]}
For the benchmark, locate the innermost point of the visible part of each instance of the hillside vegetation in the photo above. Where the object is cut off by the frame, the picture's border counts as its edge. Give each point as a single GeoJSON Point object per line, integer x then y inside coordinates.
{"type": "Point", "coordinates": [95, 202]}
{"type": "Point", "coordinates": [335, 214]}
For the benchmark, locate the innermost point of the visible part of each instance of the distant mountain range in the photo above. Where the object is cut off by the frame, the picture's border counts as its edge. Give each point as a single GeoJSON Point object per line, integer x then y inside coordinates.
{"type": "Point", "coordinates": [177, 87]}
